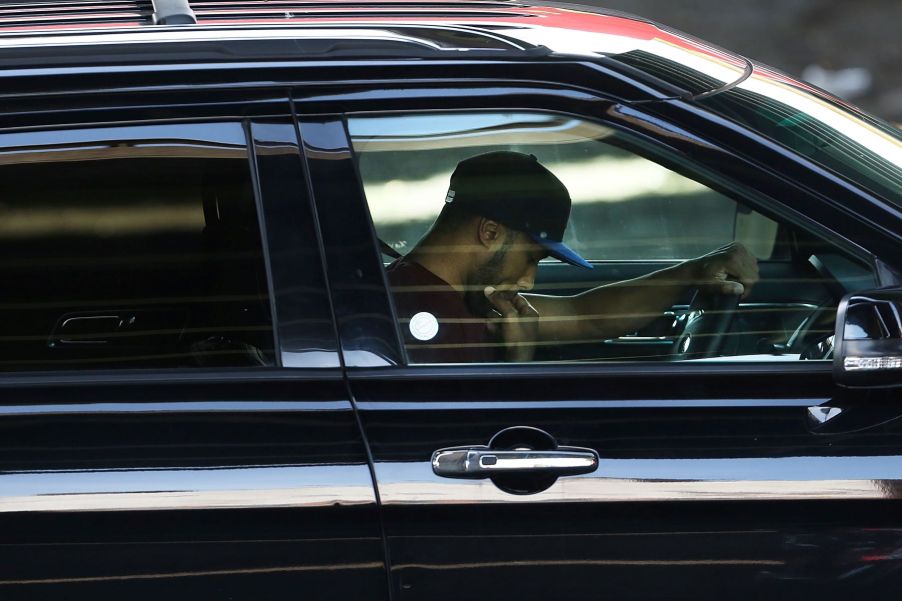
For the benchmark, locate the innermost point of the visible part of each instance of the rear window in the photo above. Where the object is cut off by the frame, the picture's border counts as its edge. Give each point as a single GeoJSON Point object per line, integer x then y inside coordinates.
{"type": "Point", "coordinates": [131, 247]}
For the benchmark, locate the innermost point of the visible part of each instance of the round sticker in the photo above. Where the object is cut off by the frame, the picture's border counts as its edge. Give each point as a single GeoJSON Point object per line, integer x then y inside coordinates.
{"type": "Point", "coordinates": [424, 326]}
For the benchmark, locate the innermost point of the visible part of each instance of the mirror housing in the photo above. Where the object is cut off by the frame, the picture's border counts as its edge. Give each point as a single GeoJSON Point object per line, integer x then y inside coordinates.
{"type": "Point", "coordinates": [867, 343]}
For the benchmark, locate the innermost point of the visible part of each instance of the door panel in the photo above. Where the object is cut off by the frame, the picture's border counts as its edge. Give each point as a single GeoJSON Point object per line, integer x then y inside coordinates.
{"type": "Point", "coordinates": [218, 490]}
{"type": "Point", "coordinates": [695, 496]}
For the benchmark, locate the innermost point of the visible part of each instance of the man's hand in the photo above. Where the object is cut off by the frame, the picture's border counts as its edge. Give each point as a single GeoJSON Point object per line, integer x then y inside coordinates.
{"type": "Point", "coordinates": [727, 270]}
{"type": "Point", "coordinates": [516, 323]}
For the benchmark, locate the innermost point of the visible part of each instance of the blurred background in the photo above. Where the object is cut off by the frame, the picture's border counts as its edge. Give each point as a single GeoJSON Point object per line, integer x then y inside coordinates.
{"type": "Point", "coordinates": [852, 48]}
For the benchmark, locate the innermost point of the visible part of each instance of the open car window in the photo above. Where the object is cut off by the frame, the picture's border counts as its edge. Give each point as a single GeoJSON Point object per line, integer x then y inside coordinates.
{"type": "Point", "coordinates": [630, 216]}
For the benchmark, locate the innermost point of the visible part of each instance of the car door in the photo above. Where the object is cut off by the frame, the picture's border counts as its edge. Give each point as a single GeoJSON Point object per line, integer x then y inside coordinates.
{"type": "Point", "coordinates": [681, 479]}
{"type": "Point", "coordinates": [174, 422]}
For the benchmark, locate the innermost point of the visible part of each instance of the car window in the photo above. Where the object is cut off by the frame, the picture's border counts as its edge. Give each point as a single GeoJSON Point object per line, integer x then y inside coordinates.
{"type": "Point", "coordinates": [426, 176]}
{"type": "Point", "coordinates": [129, 247]}
{"type": "Point", "coordinates": [630, 208]}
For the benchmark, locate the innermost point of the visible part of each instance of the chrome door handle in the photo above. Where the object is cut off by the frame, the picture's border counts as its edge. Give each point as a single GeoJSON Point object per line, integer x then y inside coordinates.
{"type": "Point", "coordinates": [484, 462]}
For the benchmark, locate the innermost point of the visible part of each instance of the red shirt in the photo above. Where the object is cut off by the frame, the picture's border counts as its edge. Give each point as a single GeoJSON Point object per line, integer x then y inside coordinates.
{"type": "Point", "coordinates": [461, 336]}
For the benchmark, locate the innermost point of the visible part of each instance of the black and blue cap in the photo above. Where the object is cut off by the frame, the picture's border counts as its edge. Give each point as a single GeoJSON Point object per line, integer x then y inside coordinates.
{"type": "Point", "coordinates": [517, 191]}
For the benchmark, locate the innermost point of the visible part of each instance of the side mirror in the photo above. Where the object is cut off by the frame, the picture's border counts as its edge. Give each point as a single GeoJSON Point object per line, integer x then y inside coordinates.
{"type": "Point", "coordinates": [868, 339]}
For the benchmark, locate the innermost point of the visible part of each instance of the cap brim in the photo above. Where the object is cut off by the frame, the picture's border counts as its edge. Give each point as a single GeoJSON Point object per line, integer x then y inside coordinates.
{"type": "Point", "coordinates": [562, 252]}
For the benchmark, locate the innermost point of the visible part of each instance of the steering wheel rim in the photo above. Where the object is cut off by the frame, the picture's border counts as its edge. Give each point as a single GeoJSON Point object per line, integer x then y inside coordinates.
{"type": "Point", "coordinates": [708, 320]}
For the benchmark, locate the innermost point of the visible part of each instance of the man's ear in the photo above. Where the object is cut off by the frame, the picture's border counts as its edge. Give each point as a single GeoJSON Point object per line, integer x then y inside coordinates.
{"type": "Point", "coordinates": [489, 232]}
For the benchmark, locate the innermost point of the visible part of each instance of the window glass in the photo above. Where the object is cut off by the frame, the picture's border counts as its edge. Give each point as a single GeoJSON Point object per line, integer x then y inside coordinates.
{"type": "Point", "coordinates": [494, 270]}
{"type": "Point", "coordinates": [131, 247]}
{"type": "Point", "coordinates": [630, 208]}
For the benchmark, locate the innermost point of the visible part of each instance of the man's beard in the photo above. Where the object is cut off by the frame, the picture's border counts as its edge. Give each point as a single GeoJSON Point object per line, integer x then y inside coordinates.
{"type": "Point", "coordinates": [486, 275]}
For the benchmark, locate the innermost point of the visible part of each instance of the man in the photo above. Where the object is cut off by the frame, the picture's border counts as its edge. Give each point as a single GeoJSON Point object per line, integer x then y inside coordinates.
{"type": "Point", "coordinates": [461, 292]}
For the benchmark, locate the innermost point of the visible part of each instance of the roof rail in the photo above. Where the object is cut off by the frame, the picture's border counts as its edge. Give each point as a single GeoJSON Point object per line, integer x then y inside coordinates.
{"type": "Point", "coordinates": [173, 12]}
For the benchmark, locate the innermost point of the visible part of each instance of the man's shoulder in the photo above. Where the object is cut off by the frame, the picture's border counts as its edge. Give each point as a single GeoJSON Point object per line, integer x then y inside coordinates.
{"type": "Point", "coordinates": [402, 272]}
{"type": "Point", "coordinates": [417, 289]}
{"type": "Point", "coordinates": [435, 321]}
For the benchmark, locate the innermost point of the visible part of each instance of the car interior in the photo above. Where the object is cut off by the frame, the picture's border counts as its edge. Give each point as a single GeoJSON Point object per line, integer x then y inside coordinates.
{"type": "Point", "coordinates": [630, 216]}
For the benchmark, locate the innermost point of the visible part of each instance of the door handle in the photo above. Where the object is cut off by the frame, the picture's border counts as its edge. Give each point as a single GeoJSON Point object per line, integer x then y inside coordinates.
{"type": "Point", "coordinates": [484, 462]}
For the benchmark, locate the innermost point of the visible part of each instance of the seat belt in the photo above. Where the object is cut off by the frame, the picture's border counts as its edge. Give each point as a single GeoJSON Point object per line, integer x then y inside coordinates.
{"type": "Point", "coordinates": [388, 250]}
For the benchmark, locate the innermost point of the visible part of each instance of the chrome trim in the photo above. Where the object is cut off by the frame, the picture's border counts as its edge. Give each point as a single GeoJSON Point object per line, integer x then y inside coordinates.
{"type": "Point", "coordinates": [746, 73]}
{"type": "Point", "coordinates": [484, 462]}
{"type": "Point", "coordinates": [821, 415]}
{"type": "Point", "coordinates": [777, 306]}
{"type": "Point", "coordinates": [144, 35]}
{"type": "Point", "coordinates": [872, 363]}
{"type": "Point", "coordinates": [194, 488]}
{"type": "Point", "coordinates": [164, 575]}
{"type": "Point", "coordinates": [167, 575]}
{"type": "Point", "coordinates": [310, 359]}
{"type": "Point", "coordinates": [175, 407]}
{"type": "Point", "coordinates": [600, 369]}
{"type": "Point", "coordinates": [173, 12]}
{"type": "Point", "coordinates": [587, 404]}
{"type": "Point", "coordinates": [642, 339]}
{"type": "Point", "coordinates": [502, 462]}
{"type": "Point", "coordinates": [170, 377]}
{"type": "Point", "coordinates": [632, 480]}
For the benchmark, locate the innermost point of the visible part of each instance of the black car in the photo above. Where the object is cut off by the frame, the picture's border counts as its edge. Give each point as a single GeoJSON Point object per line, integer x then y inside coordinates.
{"type": "Point", "coordinates": [207, 392]}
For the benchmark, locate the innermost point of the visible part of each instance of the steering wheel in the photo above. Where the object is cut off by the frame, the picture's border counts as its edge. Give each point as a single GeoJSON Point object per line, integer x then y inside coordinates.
{"type": "Point", "coordinates": [707, 323]}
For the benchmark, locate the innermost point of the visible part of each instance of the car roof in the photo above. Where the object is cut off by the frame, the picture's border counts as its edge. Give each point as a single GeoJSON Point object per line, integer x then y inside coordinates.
{"type": "Point", "coordinates": [386, 28]}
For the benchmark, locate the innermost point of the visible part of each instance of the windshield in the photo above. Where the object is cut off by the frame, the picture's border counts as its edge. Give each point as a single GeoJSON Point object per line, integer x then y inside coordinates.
{"type": "Point", "coordinates": [859, 148]}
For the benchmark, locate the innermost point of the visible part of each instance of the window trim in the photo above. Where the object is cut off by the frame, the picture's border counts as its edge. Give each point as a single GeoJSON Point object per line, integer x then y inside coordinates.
{"type": "Point", "coordinates": [163, 377]}
{"type": "Point", "coordinates": [598, 369]}
{"type": "Point", "coordinates": [264, 238]}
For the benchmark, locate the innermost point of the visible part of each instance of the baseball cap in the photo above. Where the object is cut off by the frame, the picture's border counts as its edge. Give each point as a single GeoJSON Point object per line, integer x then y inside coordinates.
{"type": "Point", "coordinates": [517, 191]}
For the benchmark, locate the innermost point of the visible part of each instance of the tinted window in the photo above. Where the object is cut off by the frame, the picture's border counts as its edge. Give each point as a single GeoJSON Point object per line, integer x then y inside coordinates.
{"type": "Point", "coordinates": [131, 247]}
{"type": "Point", "coordinates": [636, 221]}
{"type": "Point", "coordinates": [625, 207]}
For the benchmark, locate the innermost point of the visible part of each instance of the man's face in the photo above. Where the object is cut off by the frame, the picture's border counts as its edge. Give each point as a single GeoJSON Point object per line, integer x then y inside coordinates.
{"type": "Point", "coordinates": [510, 269]}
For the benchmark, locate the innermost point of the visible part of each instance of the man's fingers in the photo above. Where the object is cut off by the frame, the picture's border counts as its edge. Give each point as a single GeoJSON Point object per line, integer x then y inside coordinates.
{"type": "Point", "coordinates": [501, 304]}
{"type": "Point", "coordinates": [510, 306]}
{"type": "Point", "coordinates": [524, 309]}
{"type": "Point", "coordinates": [718, 286]}
{"type": "Point", "coordinates": [733, 270]}
{"type": "Point", "coordinates": [735, 288]}
{"type": "Point", "coordinates": [518, 325]}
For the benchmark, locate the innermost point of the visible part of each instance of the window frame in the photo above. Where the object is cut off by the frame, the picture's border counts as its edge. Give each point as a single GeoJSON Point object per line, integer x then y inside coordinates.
{"type": "Point", "coordinates": [546, 100]}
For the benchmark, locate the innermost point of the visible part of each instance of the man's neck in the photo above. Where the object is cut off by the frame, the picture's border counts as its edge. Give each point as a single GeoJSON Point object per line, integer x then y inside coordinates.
{"type": "Point", "coordinates": [448, 265]}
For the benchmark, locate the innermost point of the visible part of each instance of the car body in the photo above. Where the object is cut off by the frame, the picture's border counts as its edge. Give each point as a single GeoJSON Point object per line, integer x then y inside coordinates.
{"type": "Point", "coordinates": [205, 389]}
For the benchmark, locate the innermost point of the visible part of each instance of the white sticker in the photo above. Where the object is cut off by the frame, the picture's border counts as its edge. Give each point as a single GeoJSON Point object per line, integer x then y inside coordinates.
{"type": "Point", "coordinates": [424, 326]}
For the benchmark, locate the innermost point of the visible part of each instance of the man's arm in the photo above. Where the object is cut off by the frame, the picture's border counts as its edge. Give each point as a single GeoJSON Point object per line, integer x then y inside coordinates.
{"type": "Point", "coordinates": [615, 309]}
